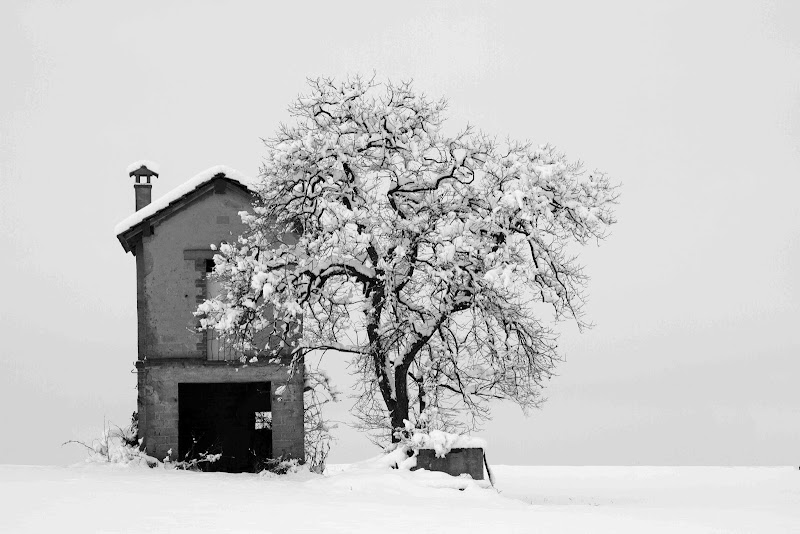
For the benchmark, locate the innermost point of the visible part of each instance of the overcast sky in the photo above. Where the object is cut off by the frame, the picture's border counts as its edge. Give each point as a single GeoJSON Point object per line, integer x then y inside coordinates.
{"type": "Point", "coordinates": [693, 106]}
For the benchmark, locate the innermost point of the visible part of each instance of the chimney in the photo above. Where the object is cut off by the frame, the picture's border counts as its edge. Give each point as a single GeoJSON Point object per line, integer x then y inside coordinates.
{"type": "Point", "coordinates": [143, 190]}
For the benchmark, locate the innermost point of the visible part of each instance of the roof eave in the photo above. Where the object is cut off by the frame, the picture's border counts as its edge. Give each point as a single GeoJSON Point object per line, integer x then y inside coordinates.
{"type": "Point", "coordinates": [128, 237]}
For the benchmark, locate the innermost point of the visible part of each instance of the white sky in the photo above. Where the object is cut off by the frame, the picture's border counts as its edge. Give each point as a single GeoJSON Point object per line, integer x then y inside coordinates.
{"type": "Point", "coordinates": [693, 106]}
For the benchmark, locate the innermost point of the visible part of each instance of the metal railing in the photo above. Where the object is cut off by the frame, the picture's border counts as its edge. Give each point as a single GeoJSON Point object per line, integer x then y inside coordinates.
{"type": "Point", "coordinates": [216, 349]}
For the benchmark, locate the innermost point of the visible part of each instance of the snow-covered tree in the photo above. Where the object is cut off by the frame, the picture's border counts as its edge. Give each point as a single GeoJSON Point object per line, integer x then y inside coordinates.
{"type": "Point", "coordinates": [431, 260]}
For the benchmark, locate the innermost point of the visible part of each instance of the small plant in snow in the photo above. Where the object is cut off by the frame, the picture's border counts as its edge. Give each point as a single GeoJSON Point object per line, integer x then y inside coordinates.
{"type": "Point", "coordinates": [118, 445]}
{"type": "Point", "coordinates": [196, 463]}
{"type": "Point", "coordinates": [194, 460]}
{"type": "Point", "coordinates": [279, 466]}
{"type": "Point", "coordinates": [317, 391]}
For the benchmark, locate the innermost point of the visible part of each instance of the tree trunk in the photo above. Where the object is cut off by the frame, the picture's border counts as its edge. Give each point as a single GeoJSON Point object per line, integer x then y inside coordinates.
{"type": "Point", "coordinates": [400, 412]}
{"type": "Point", "coordinates": [421, 390]}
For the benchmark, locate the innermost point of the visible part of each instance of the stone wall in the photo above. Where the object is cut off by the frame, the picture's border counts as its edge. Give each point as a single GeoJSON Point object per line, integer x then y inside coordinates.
{"type": "Point", "coordinates": [171, 274]}
{"type": "Point", "coordinates": [456, 462]}
{"type": "Point", "coordinates": [158, 401]}
{"type": "Point", "coordinates": [171, 281]}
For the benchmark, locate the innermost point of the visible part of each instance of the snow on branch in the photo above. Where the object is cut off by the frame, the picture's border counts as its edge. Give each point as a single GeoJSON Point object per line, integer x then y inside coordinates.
{"type": "Point", "coordinates": [427, 258]}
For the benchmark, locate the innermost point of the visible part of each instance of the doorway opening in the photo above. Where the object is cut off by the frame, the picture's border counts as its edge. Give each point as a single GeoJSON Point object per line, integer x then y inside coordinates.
{"type": "Point", "coordinates": [231, 419]}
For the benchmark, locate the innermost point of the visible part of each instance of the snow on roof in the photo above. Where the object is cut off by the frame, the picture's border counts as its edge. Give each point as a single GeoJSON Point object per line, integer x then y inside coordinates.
{"type": "Point", "coordinates": [181, 191]}
{"type": "Point", "coordinates": [152, 165]}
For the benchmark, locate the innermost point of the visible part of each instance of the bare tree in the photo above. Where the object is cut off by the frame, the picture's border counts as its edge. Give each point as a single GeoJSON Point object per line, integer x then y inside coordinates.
{"type": "Point", "coordinates": [431, 260]}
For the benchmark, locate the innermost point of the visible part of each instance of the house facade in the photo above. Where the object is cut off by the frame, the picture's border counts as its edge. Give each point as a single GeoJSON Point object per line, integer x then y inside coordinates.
{"type": "Point", "coordinates": [194, 395]}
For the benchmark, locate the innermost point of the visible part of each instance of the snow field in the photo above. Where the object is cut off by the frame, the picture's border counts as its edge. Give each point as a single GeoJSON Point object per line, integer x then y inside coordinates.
{"type": "Point", "coordinates": [368, 498]}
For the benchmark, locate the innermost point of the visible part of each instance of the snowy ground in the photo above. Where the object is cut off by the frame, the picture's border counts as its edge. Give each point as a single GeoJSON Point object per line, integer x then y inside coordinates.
{"type": "Point", "coordinates": [102, 498]}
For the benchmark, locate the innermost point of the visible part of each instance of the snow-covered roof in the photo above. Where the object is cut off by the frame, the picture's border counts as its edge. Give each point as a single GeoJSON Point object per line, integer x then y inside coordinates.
{"type": "Point", "coordinates": [181, 191]}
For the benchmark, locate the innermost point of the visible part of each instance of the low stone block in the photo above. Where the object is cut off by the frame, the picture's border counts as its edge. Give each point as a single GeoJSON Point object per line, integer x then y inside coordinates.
{"type": "Point", "coordinates": [456, 462]}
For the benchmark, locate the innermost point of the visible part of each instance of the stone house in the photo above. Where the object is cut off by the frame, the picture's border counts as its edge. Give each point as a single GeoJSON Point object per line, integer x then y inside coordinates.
{"type": "Point", "coordinates": [194, 395]}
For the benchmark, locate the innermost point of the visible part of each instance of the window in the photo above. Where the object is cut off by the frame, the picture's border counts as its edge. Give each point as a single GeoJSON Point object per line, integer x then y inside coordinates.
{"type": "Point", "coordinates": [263, 420]}
{"type": "Point", "coordinates": [216, 350]}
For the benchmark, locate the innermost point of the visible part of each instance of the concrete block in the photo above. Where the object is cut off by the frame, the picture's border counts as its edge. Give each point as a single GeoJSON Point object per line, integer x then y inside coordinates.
{"type": "Point", "coordinates": [456, 462]}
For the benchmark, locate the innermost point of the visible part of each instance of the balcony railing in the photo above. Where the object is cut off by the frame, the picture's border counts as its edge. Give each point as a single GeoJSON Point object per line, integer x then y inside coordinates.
{"type": "Point", "coordinates": [219, 351]}
{"type": "Point", "coordinates": [216, 349]}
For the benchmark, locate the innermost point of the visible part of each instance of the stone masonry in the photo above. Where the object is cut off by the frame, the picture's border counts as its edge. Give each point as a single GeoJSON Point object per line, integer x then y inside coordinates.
{"type": "Point", "coordinates": [158, 401]}
{"type": "Point", "coordinates": [172, 247]}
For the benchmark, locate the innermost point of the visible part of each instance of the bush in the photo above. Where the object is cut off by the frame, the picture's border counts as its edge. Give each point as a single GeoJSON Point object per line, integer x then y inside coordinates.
{"type": "Point", "coordinates": [118, 445]}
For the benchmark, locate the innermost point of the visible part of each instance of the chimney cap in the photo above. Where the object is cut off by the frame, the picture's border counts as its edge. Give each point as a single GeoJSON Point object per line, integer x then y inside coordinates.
{"type": "Point", "coordinates": [142, 172]}
{"type": "Point", "coordinates": [143, 169]}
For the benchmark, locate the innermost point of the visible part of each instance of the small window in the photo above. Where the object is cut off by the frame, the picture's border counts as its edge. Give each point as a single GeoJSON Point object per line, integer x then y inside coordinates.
{"type": "Point", "coordinates": [210, 266]}
{"type": "Point", "coordinates": [263, 420]}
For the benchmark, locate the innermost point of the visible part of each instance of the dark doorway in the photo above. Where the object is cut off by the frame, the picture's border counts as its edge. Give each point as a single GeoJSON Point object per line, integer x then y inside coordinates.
{"type": "Point", "coordinates": [232, 419]}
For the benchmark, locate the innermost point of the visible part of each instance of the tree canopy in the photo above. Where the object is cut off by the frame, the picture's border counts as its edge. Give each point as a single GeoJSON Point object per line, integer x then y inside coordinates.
{"type": "Point", "coordinates": [431, 260]}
